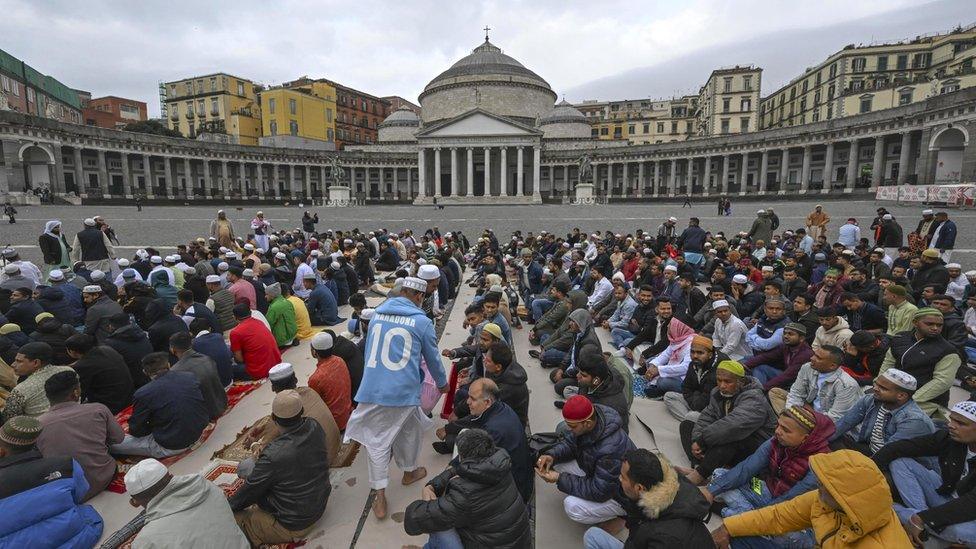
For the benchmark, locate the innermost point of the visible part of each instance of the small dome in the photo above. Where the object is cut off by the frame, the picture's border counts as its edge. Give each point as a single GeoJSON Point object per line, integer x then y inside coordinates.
{"type": "Point", "coordinates": [404, 116]}
{"type": "Point", "coordinates": [562, 113]}
{"type": "Point", "coordinates": [487, 59]}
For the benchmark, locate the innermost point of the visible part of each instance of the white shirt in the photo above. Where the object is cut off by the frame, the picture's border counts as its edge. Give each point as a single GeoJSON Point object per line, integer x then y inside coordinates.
{"type": "Point", "coordinates": [601, 290]}
{"type": "Point", "coordinates": [849, 235]}
{"type": "Point", "coordinates": [591, 252]}
{"type": "Point", "coordinates": [299, 287]}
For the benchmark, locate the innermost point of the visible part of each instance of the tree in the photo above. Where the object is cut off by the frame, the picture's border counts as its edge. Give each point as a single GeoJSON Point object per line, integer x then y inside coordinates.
{"type": "Point", "coordinates": [154, 127]}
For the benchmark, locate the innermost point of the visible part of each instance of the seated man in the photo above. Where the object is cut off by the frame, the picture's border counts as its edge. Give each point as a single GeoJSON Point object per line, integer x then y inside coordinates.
{"type": "Point", "coordinates": [32, 364]}
{"type": "Point", "coordinates": [620, 319]}
{"type": "Point", "coordinates": [130, 341]}
{"type": "Point", "coordinates": [82, 431]}
{"type": "Point", "coordinates": [666, 371]}
{"type": "Point", "coordinates": [696, 389]}
{"type": "Point", "coordinates": [642, 314]}
{"type": "Point", "coordinates": [778, 367]}
{"type": "Point", "coordinates": [581, 325]}
{"type": "Point", "coordinates": [602, 384]}
{"type": "Point", "coordinates": [777, 471]}
{"type": "Point", "coordinates": [729, 332]}
{"type": "Point", "coordinates": [331, 378]}
{"type": "Point", "coordinates": [852, 504]}
{"type": "Point", "coordinates": [863, 356]}
{"type": "Point", "coordinates": [662, 508]}
{"type": "Point", "coordinates": [767, 334]}
{"type": "Point", "coordinates": [104, 376]}
{"type": "Point", "coordinates": [281, 316]}
{"type": "Point", "coordinates": [735, 423]}
{"type": "Point", "coordinates": [547, 322]}
{"type": "Point", "coordinates": [502, 368]}
{"type": "Point", "coordinates": [474, 502]}
{"type": "Point", "coordinates": [833, 330]}
{"type": "Point", "coordinates": [653, 335]}
{"type": "Point", "coordinates": [862, 315]}
{"type": "Point", "coordinates": [203, 368]}
{"type": "Point", "coordinates": [938, 502]}
{"type": "Point", "coordinates": [254, 347]}
{"type": "Point", "coordinates": [214, 346]}
{"type": "Point", "coordinates": [288, 489]}
{"type": "Point", "coordinates": [822, 384]}
{"type": "Point", "coordinates": [176, 506]}
{"type": "Point", "coordinates": [587, 461]}
{"type": "Point", "coordinates": [323, 310]}
{"type": "Point", "coordinates": [40, 497]}
{"type": "Point", "coordinates": [486, 335]}
{"type": "Point", "coordinates": [168, 413]}
{"type": "Point", "coordinates": [886, 415]}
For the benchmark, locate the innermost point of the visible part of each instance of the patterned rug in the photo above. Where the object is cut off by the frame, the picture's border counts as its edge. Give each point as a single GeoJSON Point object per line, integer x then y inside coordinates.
{"type": "Point", "coordinates": [237, 391]}
{"type": "Point", "coordinates": [240, 448]}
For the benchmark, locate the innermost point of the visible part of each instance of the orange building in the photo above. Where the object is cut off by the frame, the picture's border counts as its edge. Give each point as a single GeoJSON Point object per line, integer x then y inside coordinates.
{"type": "Point", "coordinates": [113, 112]}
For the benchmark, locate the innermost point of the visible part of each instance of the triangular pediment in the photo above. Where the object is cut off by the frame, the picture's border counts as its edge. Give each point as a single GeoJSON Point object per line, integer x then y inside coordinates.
{"type": "Point", "coordinates": [478, 123]}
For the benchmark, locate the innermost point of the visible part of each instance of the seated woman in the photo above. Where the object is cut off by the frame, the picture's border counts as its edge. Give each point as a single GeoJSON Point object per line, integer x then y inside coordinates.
{"type": "Point", "coordinates": [778, 471]}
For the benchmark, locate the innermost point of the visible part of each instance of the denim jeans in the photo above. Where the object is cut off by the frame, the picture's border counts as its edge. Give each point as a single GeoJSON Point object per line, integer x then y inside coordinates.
{"type": "Point", "coordinates": [764, 372]}
{"type": "Point", "coordinates": [552, 357]}
{"type": "Point", "coordinates": [664, 384]}
{"type": "Point", "coordinates": [743, 499]}
{"type": "Point", "coordinates": [142, 446]}
{"type": "Point", "coordinates": [598, 538]}
{"type": "Point", "coordinates": [620, 337]}
{"type": "Point", "coordinates": [916, 484]}
{"type": "Point", "coordinates": [447, 539]}
{"type": "Point", "coordinates": [539, 307]}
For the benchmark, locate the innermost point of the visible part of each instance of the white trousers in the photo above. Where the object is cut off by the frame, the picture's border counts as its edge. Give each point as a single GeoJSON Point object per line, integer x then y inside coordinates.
{"type": "Point", "coordinates": [387, 432]}
{"type": "Point", "coordinates": [585, 511]}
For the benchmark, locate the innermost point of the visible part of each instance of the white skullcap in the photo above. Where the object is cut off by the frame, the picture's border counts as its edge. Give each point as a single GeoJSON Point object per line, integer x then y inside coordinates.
{"type": "Point", "coordinates": [123, 262]}
{"type": "Point", "coordinates": [11, 268]}
{"type": "Point", "coordinates": [367, 314]}
{"type": "Point", "coordinates": [156, 259]}
{"type": "Point", "coordinates": [581, 263]}
{"type": "Point", "coordinates": [671, 268]}
{"type": "Point", "coordinates": [97, 275]}
{"type": "Point", "coordinates": [259, 213]}
{"type": "Point", "coordinates": [902, 379]}
{"type": "Point", "coordinates": [966, 409]}
{"type": "Point", "coordinates": [673, 219]}
{"type": "Point", "coordinates": [309, 276]}
{"type": "Point", "coordinates": [189, 269]}
{"type": "Point", "coordinates": [315, 253]}
{"type": "Point", "coordinates": [231, 255]}
{"type": "Point", "coordinates": [618, 276]}
{"type": "Point", "coordinates": [953, 266]}
{"type": "Point", "coordinates": [129, 273]}
{"type": "Point", "coordinates": [280, 371]}
{"type": "Point", "coordinates": [335, 266]}
{"type": "Point", "coordinates": [647, 251]}
{"type": "Point", "coordinates": [56, 275]}
{"type": "Point", "coordinates": [223, 266]}
{"type": "Point", "coordinates": [275, 250]}
{"type": "Point", "coordinates": [969, 274]}
{"type": "Point", "coordinates": [566, 245]}
{"type": "Point", "coordinates": [740, 279]}
{"type": "Point", "coordinates": [421, 261]}
{"type": "Point", "coordinates": [495, 289]}
{"type": "Point", "coordinates": [213, 279]}
{"type": "Point", "coordinates": [879, 250]}
{"type": "Point", "coordinates": [761, 212]}
{"type": "Point", "coordinates": [223, 250]}
{"type": "Point", "coordinates": [259, 251]}
{"type": "Point", "coordinates": [144, 475]}
{"type": "Point", "coordinates": [886, 217]}
{"type": "Point", "coordinates": [249, 247]}
{"type": "Point", "coordinates": [578, 245]}
{"type": "Point", "coordinates": [926, 212]}
{"type": "Point", "coordinates": [347, 241]}
{"type": "Point", "coordinates": [415, 283]}
{"type": "Point", "coordinates": [428, 272]}
{"type": "Point", "coordinates": [281, 255]}
{"type": "Point", "coordinates": [322, 341]}
{"type": "Point", "coordinates": [768, 268]}
{"type": "Point", "coordinates": [248, 272]}
{"type": "Point", "coordinates": [719, 303]}
{"type": "Point", "coordinates": [92, 289]}
{"type": "Point", "coordinates": [171, 258]}
{"type": "Point", "coordinates": [142, 254]}
{"type": "Point", "coordinates": [90, 222]}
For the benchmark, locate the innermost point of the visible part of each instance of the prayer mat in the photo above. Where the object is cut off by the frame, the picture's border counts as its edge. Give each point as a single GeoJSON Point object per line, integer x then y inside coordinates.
{"type": "Point", "coordinates": [239, 449]}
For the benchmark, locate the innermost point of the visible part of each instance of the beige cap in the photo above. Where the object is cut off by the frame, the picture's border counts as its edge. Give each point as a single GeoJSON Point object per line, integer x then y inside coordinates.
{"type": "Point", "coordinates": [287, 404]}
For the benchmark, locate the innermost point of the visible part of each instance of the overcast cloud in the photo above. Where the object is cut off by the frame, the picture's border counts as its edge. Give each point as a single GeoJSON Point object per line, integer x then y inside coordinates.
{"type": "Point", "coordinates": [615, 49]}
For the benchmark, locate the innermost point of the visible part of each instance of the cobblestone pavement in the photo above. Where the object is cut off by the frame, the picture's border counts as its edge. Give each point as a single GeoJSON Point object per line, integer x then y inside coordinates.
{"type": "Point", "coordinates": [165, 226]}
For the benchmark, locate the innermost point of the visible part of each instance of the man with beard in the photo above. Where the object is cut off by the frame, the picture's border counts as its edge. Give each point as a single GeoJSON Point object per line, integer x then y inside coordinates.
{"type": "Point", "coordinates": [696, 388]}
{"type": "Point", "coordinates": [932, 273]}
{"type": "Point", "coordinates": [768, 332]}
{"type": "Point", "coordinates": [653, 337]}
{"type": "Point", "coordinates": [828, 292]}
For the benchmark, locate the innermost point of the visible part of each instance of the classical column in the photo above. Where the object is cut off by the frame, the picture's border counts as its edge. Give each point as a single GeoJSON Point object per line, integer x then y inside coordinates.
{"type": "Point", "coordinates": [877, 169]}
{"type": "Point", "coordinates": [188, 175]}
{"type": "Point", "coordinates": [723, 185]}
{"type": "Point", "coordinates": [552, 180]}
{"type": "Point", "coordinates": [126, 176]}
{"type": "Point", "coordinates": [308, 183]}
{"type": "Point", "coordinates": [640, 178]}
{"type": "Point", "coordinates": [744, 179]}
{"type": "Point", "coordinates": [852, 165]}
{"type": "Point", "coordinates": [805, 171]}
{"type": "Point", "coordinates": [503, 172]}
{"type": "Point", "coordinates": [673, 177]}
{"type": "Point", "coordinates": [828, 171]}
{"type": "Point", "coordinates": [657, 176]}
{"type": "Point", "coordinates": [396, 190]}
{"type": "Point", "coordinates": [224, 180]}
{"type": "Point", "coordinates": [242, 178]}
{"type": "Point", "coordinates": [293, 185]}
{"type": "Point", "coordinates": [520, 173]}
{"type": "Point", "coordinates": [707, 177]}
{"type": "Point", "coordinates": [690, 181]}
{"type": "Point", "coordinates": [903, 156]}
{"type": "Point", "coordinates": [469, 182]}
{"type": "Point", "coordinates": [437, 172]}
{"type": "Point", "coordinates": [626, 188]}
{"type": "Point", "coordinates": [421, 176]}
{"type": "Point", "coordinates": [207, 182]}
{"type": "Point", "coordinates": [103, 174]}
{"type": "Point", "coordinates": [454, 172]}
{"type": "Point", "coordinates": [168, 171]}
{"type": "Point", "coordinates": [147, 176]}
{"type": "Point", "coordinates": [275, 181]}
{"type": "Point", "coordinates": [763, 170]}
{"type": "Point", "coordinates": [382, 182]}
{"type": "Point", "coordinates": [80, 186]}
{"type": "Point", "coordinates": [536, 173]}
{"type": "Point", "coordinates": [487, 171]}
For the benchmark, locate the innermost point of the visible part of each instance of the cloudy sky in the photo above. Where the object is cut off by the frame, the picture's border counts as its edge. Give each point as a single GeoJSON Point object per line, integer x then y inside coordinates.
{"type": "Point", "coordinates": [614, 49]}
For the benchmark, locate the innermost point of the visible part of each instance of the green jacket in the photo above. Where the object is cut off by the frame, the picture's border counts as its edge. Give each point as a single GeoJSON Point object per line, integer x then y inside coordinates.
{"type": "Point", "coordinates": [281, 317]}
{"type": "Point", "coordinates": [562, 338]}
{"type": "Point", "coordinates": [551, 319]}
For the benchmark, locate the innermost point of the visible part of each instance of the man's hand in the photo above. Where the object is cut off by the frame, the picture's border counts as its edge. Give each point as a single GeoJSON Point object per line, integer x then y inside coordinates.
{"type": "Point", "coordinates": [850, 349]}
{"type": "Point", "coordinates": [463, 377]}
{"type": "Point", "coordinates": [629, 353]}
{"type": "Point", "coordinates": [697, 451]}
{"type": "Point", "coordinates": [427, 493]}
{"type": "Point", "coordinates": [709, 497]}
{"type": "Point", "coordinates": [652, 372]}
{"type": "Point", "coordinates": [550, 476]}
{"type": "Point", "coordinates": [441, 433]}
{"type": "Point", "coordinates": [544, 462]}
{"type": "Point", "coordinates": [557, 375]}
{"type": "Point", "coordinates": [447, 353]}
{"type": "Point", "coordinates": [606, 324]}
{"type": "Point", "coordinates": [721, 537]}
{"type": "Point", "coordinates": [445, 388]}
{"type": "Point", "coordinates": [914, 528]}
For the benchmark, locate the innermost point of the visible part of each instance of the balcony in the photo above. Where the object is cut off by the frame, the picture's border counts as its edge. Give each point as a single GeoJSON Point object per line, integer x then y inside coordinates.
{"type": "Point", "coordinates": [214, 112]}
{"type": "Point", "coordinates": [189, 115]}
{"type": "Point", "coordinates": [175, 116]}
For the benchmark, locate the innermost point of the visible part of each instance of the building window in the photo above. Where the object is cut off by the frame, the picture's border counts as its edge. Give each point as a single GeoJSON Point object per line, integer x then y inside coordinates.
{"type": "Point", "coordinates": [858, 64]}
{"type": "Point", "coordinates": [905, 97]}
{"type": "Point", "coordinates": [816, 115]}
{"type": "Point", "coordinates": [647, 128]}
{"type": "Point", "coordinates": [329, 134]}
{"type": "Point", "coordinates": [922, 60]}
{"type": "Point", "coordinates": [792, 93]}
{"type": "Point", "coordinates": [747, 83]}
{"type": "Point", "coordinates": [604, 131]}
{"type": "Point", "coordinates": [902, 62]}
{"type": "Point", "coordinates": [363, 107]}
{"type": "Point", "coordinates": [745, 105]}
{"type": "Point", "coordinates": [271, 105]}
{"type": "Point", "coordinates": [806, 84]}
{"type": "Point", "coordinates": [199, 86]}
{"type": "Point", "coordinates": [214, 107]}
{"type": "Point", "coordinates": [189, 108]}
{"type": "Point", "coordinates": [293, 127]}
{"type": "Point", "coordinates": [660, 127]}
{"type": "Point", "coordinates": [725, 104]}
{"type": "Point", "coordinates": [213, 83]}
{"type": "Point", "coordinates": [830, 92]}
{"type": "Point", "coordinates": [631, 130]}
{"type": "Point", "coordinates": [744, 124]}
{"type": "Point", "coordinates": [30, 95]}
{"type": "Point", "coordinates": [202, 107]}
{"type": "Point", "coordinates": [240, 89]}
{"type": "Point", "coordinates": [725, 125]}
{"type": "Point", "coordinates": [4, 83]}
{"type": "Point", "coordinates": [689, 127]}
{"type": "Point", "coordinates": [882, 62]}
{"type": "Point", "coordinates": [950, 86]}
{"type": "Point", "coordinates": [328, 115]}
{"type": "Point", "coordinates": [727, 85]}
{"type": "Point", "coordinates": [818, 78]}
{"type": "Point", "coordinates": [865, 104]}
{"type": "Point", "coordinates": [674, 127]}
{"type": "Point", "coordinates": [292, 107]}
{"type": "Point", "coordinates": [833, 70]}
{"type": "Point", "coordinates": [189, 88]}
{"type": "Point", "coordinates": [830, 111]}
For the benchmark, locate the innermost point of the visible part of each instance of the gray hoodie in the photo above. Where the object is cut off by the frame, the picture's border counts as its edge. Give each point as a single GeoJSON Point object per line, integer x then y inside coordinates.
{"type": "Point", "coordinates": [190, 512]}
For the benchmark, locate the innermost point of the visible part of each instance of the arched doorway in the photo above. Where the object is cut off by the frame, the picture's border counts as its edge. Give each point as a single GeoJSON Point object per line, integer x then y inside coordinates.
{"type": "Point", "coordinates": [948, 145]}
{"type": "Point", "coordinates": [38, 163]}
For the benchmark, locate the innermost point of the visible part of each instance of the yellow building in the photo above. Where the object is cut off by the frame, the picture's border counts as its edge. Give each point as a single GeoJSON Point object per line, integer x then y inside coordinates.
{"type": "Point", "coordinates": [642, 121]}
{"type": "Point", "coordinates": [218, 103]}
{"type": "Point", "coordinates": [729, 101]}
{"type": "Point", "coordinates": [863, 79]}
{"type": "Point", "coordinates": [305, 111]}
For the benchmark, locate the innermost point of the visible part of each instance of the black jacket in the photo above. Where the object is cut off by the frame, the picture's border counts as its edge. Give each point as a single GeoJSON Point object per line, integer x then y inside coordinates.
{"type": "Point", "coordinates": [50, 248]}
{"type": "Point", "coordinates": [53, 332]}
{"type": "Point", "coordinates": [514, 391]}
{"type": "Point", "coordinates": [508, 433]}
{"type": "Point", "coordinates": [935, 274]}
{"type": "Point", "coordinates": [353, 356]}
{"type": "Point", "coordinates": [610, 393]}
{"type": "Point", "coordinates": [22, 313]}
{"type": "Point", "coordinates": [647, 335]}
{"type": "Point", "coordinates": [699, 382]}
{"type": "Point", "coordinates": [290, 479]}
{"type": "Point", "coordinates": [205, 370]}
{"type": "Point", "coordinates": [479, 499]}
{"type": "Point", "coordinates": [133, 344]}
{"type": "Point", "coordinates": [198, 285]}
{"type": "Point", "coordinates": [162, 324]}
{"type": "Point", "coordinates": [918, 358]}
{"type": "Point", "coordinates": [105, 378]}
{"type": "Point", "coordinates": [171, 409]}
{"type": "Point", "coordinates": [952, 461]}
{"type": "Point", "coordinates": [92, 243]}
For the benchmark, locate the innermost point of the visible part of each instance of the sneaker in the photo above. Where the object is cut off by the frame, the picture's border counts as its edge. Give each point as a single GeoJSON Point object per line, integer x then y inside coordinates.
{"type": "Point", "coordinates": [558, 404]}
{"type": "Point", "coordinates": [442, 447]}
{"type": "Point", "coordinates": [535, 354]}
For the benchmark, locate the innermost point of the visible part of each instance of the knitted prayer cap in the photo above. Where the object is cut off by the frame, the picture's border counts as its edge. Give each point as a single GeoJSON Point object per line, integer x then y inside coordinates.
{"type": "Point", "coordinates": [927, 311]}
{"type": "Point", "coordinates": [732, 367]}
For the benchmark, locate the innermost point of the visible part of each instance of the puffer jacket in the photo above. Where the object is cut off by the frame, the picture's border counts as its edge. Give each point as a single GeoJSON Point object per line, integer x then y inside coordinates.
{"type": "Point", "coordinates": [162, 324]}
{"type": "Point", "coordinates": [599, 454]}
{"type": "Point", "coordinates": [56, 301]}
{"type": "Point", "coordinates": [610, 393]}
{"type": "Point", "coordinates": [838, 336]}
{"type": "Point", "coordinates": [132, 343]}
{"type": "Point", "coordinates": [53, 332]}
{"type": "Point", "coordinates": [514, 391]}
{"type": "Point", "coordinates": [173, 516]}
{"type": "Point", "coordinates": [479, 499]}
{"type": "Point", "coordinates": [745, 415]}
{"type": "Point", "coordinates": [669, 514]}
{"type": "Point", "coordinates": [562, 338]}
{"type": "Point", "coordinates": [865, 520]}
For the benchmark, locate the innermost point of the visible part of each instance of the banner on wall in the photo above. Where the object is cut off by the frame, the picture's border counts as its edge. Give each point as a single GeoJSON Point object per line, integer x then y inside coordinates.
{"type": "Point", "coordinates": [951, 195]}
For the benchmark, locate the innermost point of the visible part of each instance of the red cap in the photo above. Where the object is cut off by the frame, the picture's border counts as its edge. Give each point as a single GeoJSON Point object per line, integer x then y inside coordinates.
{"type": "Point", "coordinates": [577, 408]}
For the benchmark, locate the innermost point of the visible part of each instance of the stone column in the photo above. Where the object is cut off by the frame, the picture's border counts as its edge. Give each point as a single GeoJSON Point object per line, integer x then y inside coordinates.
{"type": "Point", "coordinates": [626, 188]}
{"type": "Point", "coordinates": [80, 183]}
{"type": "Point", "coordinates": [293, 185]}
{"type": "Point", "coordinates": [763, 171]}
{"type": "Point", "coordinates": [536, 173]}
{"type": "Point", "coordinates": [657, 176]}
{"type": "Point", "coordinates": [520, 173]}
{"type": "Point", "coordinates": [207, 182]}
{"type": "Point", "coordinates": [469, 182]}
{"type": "Point", "coordinates": [437, 172]}
{"type": "Point", "coordinates": [552, 180]}
{"type": "Point", "coordinates": [487, 171]}
{"type": "Point", "coordinates": [224, 181]}
{"type": "Point", "coordinates": [188, 175]}
{"type": "Point", "coordinates": [396, 189]}
{"type": "Point", "coordinates": [723, 185]}
{"type": "Point", "coordinates": [828, 171]}
{"type": "Point", "coordinates": [744, 179]}
{"type": "Point", "coordinates": [640, 179]}
{"type": "Point", "coordinates": [421, 177]}
{"type": "Point", "coordinates": [784, 169]}
{"type": "Point", "coordinates": [691, 172]}
{"type": "Point", "coordinates": [275, 181]}
{"type": "Point", "coordinates": [126, 176]}
{"type": "Point", "coordinates": [454, 172]}
{"type": "Point", "coordinates": [382, 182]}
{"type": "Point", "coordinates": [147, 175]}
{"type": "Point", "coordinates": [903, 156]}
{"type": "Point", "coordinates": [242, 178]}
{"type": "Point", "coordinates": [566, 178]}
{"type": "Point", "coordinates": [168, 171]}
{"type": "Point", "coordinates": [673, 178]}
{"type": "Point", "coordinates": [877, 169]}
{"type": "Point", "coordinates": [503, 172]}
{"type": "Point", "coordinates": [103, 174]}
{"type": "Point", "coordinates": [852, 165]}
{"type": "Point", "coordinates": [410, 182]}
{"type": "Point", "coordinates": [707, 177]}
{"type": "Point", "coordinates": [805, 171]}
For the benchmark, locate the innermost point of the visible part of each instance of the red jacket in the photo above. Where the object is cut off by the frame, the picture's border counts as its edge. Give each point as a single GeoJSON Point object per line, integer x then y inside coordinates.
{"type": "Point", "coordinates": [788, 359]}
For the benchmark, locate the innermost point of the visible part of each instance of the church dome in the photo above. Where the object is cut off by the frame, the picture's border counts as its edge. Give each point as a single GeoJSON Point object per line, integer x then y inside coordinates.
{"type": "Point", "coordinates": [399, 126]}
{"type": "Point", "coordinates": [487, 60]}
{"type": "Point", "coordinates": [562, 113]}
{"type": "Point", "coordinates": [404, 116]}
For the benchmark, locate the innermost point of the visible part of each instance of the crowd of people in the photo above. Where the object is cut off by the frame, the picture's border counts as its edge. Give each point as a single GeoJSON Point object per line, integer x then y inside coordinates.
{"type": "Point", "coordinates": [809, 381]}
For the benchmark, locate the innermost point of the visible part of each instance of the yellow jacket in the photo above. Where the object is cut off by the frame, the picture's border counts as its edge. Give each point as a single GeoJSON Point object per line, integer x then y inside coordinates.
{"type": "Point", "coordinates": [302, 320]}
{"type": "Point", "coordinates": [867, 519]}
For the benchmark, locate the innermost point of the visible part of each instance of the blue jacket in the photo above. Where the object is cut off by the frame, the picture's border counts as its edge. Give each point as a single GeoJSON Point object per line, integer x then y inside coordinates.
{"type": "Point", "coordinates": [599, 454]}
{"type": "Point", "coordinates": [214, 346]}
{"type": "Point", "coordinates": [906, 421]}
{"type": "Point", "coordinates": [505, 428]}
{"type": "Point", "coordinates": [692, 239]}
{"type": "Point", "coordinates": [40, 505]}
{"type": "Point", "coordinates": [399, 335]}
{"type": "Point", "coordinates": [64, 301]}
{"type": "Point", "coordinates": [947, 236]}
{"type": "Point", "coordinates": [766, 335]}
{"type": "Point", "coordinates": [170, 408]}
{"type": "Point", "coordinates": [322, 307]}
{"type": "Point", "coordinates": [755, 466]}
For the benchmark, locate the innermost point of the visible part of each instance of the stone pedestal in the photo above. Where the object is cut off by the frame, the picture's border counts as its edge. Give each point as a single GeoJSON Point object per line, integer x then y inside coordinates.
{"type": "Point", "coordinates": [339, 196]}
{"type": "Point", "coordinates": [584, 194]}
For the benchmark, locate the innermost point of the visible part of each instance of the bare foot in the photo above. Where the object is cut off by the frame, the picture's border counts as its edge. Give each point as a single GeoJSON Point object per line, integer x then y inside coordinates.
{"type": "Point", "coordinates": [379, 504]}
{"type": "Point", "coordinates": [613, 526]}
{"type": "Point", "coordinates": [413, 476]}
